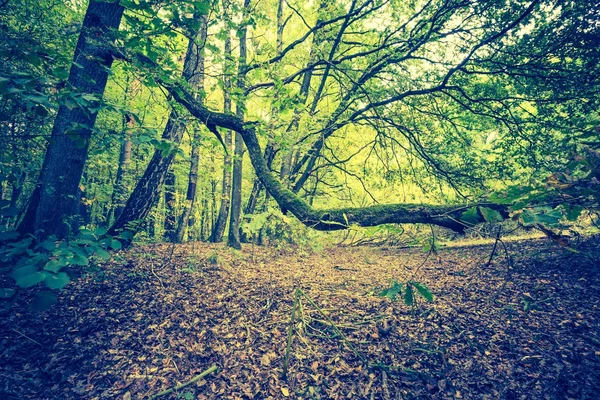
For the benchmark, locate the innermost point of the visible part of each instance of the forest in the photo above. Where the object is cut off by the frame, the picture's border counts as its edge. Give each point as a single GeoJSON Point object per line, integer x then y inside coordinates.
{"type": "Point", "coordinates": [324, 199]}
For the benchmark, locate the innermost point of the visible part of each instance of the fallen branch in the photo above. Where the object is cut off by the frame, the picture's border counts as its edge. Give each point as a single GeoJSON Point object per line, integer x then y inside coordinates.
{"type": "Point", "coordinates": [179, 387]}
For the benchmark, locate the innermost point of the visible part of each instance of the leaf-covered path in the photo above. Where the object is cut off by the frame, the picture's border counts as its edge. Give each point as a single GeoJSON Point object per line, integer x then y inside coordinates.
{"type": "Point", "coordinates": [162, 315]}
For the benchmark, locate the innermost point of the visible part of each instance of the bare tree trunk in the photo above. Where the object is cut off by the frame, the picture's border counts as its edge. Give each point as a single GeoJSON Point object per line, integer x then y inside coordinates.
{"type": "Point", "coordinates": [236, 189]}
{"type": "Point", "coordinates": [53, 201]}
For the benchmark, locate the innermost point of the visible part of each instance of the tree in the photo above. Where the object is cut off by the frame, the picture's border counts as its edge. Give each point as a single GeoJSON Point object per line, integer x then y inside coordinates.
{"type": "Point", "coordinates": [365, 97]}
{"type": "Point", "coordinates": [54, 199]}
{"type": "Point", "coordinates": [144, 195]}
{"type": "Point", "coordinates": [238, 158]}
{"type": "Point", "coordinates": [219, 226]}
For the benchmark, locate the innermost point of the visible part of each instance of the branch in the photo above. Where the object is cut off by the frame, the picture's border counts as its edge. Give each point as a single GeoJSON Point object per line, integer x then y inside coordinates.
{"type": "Point", "coordinates": [329, 219]}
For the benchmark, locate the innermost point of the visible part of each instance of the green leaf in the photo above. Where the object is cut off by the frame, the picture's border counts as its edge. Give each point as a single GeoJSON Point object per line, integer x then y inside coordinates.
{"type": "Point", "coordinates": [103, 254]}
{"type": "Point", "coordinates": [57, 281]}
{"type": "Point", "coordinates": [79, 259]}
{"type": "Point", "coordinates": [126, 235]}
{"type": "Point", "coordinates": [490, 215]}
{"type": "Point", "coordinates": [423, 291]}
{"type": "Point", "coordinates": [115, 244]}
{"type": "Point", "coordinates": [41, 111]}
{"type": "Point", "coordinates": [392, 292]}
{"type": "Point", "coordinates": [56, 265]}
{"type": "Point", "coordinates": [31, 280]}
{"type": "Point", "coordinates": [470, 216]}
{"type": "Point", "coordinates": [409, 298]}
{"type": "Point", "coordinates": [8, 235]}
{"type": "Point", "coordinates": [572, 213]}
{"type": "Point", "coordinates": [21, 272]}
{"type": "Point", "coordinates": [43, 301]}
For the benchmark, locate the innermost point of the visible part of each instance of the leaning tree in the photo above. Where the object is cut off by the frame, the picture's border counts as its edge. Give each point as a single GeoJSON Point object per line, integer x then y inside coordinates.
{"type": "Point", "coordinates": [414, 77]}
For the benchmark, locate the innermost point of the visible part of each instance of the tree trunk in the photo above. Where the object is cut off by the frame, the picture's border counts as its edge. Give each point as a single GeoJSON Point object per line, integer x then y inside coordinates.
{"type": "Point", "coordinates": [191, 191]}
{"type": "Point", "coordinates": [236, 189]}
{"type": "Point", "coordinates": [219, 227]}
{"type": "Point", "coordinates": [118, 195]}
{"type": "Point", "coordinates": [170, 199]}
{"type": "Point", "coordinates": [288, 155]}
{"type": "Point", "coordinates": [257, 187]}
{"type": "Point", "coordinates": [315, 151]}
{"type": "Point", "coordinates": [147, 190]}
{"type": "Point", "coordinates": [198, 81]}
{"type": "Point", "coordinates": [270, 148]}
{"type": "Point", "coordinates": [53, 201]}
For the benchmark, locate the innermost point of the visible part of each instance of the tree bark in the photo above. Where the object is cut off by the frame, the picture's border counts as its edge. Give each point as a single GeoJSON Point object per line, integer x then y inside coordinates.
{"type": "Point", "coordinates": [191, 192]}
{"type": "Point", "coordinates": [236, 186]}
{"type": "Point", "coordinates": [198, 81]}
{"type": "Point", "coordinates": [147, 190]}
{"type": "Point", "coordinates": [218, 229]}
{"type": "Point", "coordinates": [170, 198]}
{"type": "Point", "coordinates": [118, 196]}
{"type": "Point", "coordinates": [54, 199]}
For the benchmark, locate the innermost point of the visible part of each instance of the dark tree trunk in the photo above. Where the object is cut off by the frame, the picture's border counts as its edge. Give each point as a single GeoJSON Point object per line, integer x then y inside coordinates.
{"type": "Point", "coordinates": [233, 239]}
{"type": "Point", "coordinates": [53, 201]}
{"type": "Point", "coordinates": [147, 190]}
{"type": "Point", "coordinates": [84, 208]}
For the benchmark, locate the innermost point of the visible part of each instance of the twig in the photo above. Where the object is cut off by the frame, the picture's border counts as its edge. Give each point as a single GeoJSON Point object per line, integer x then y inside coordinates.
{"type": "Point", "coordinates": [194, 379]}
{"type": "Point", "coordinates": [335, 328]}
{"type": "Point", "coordinates": [28, 338]}
{"type": "Point", "coordinates": [498, 233]}
{"type": "Point", "coordinates": [288, 347]}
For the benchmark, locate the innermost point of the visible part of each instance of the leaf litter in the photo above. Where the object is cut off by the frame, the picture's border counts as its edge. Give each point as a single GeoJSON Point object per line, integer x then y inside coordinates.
{"type": "Point", "coordinates": [518, 328]}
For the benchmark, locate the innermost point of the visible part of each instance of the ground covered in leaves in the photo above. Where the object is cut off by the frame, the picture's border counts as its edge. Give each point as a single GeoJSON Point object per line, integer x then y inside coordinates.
{"type": "Point", "coordinates": [522, 327]}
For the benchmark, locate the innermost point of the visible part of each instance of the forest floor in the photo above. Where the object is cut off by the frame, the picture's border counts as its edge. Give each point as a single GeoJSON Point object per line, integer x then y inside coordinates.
{"type": "Point", "coordinates": [160, 315]}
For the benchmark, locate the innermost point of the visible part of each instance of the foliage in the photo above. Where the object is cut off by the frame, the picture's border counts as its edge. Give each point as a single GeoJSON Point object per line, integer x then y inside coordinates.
{"type": "Point", "coordinates": [570, 192]}
{"type": "Point", "coordinates": [409, 291]}
{"type": "Point", "coordinates": [49, 262]}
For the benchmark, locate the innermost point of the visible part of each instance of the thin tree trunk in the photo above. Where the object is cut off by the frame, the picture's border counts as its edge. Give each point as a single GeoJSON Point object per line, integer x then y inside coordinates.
{"type": "Point", "coordinates": [311, 158]}
{"type": "Point", "coordinates": [54, 200]}
{"type": "Point", "coordinates": [219, 226]}
{"type": "Point", "coordinates": [288, 155]}
{"type": "Point", "coordinates": [148, 188]}
{"type": "Point", "coordinates": [191, 192]}
{"type": "Point", "coordinates": [258, 187]}
{"type": "Point", "coordinates": [198, 81]}
{"type": "Point", "coordinates": [118, 195]}
{"type": "Point", "coordinates": [236, 189]}
{"type": "Point", "coordinates": [270, 148]}
{"type": "Point", "coordinates": [170, 200]}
